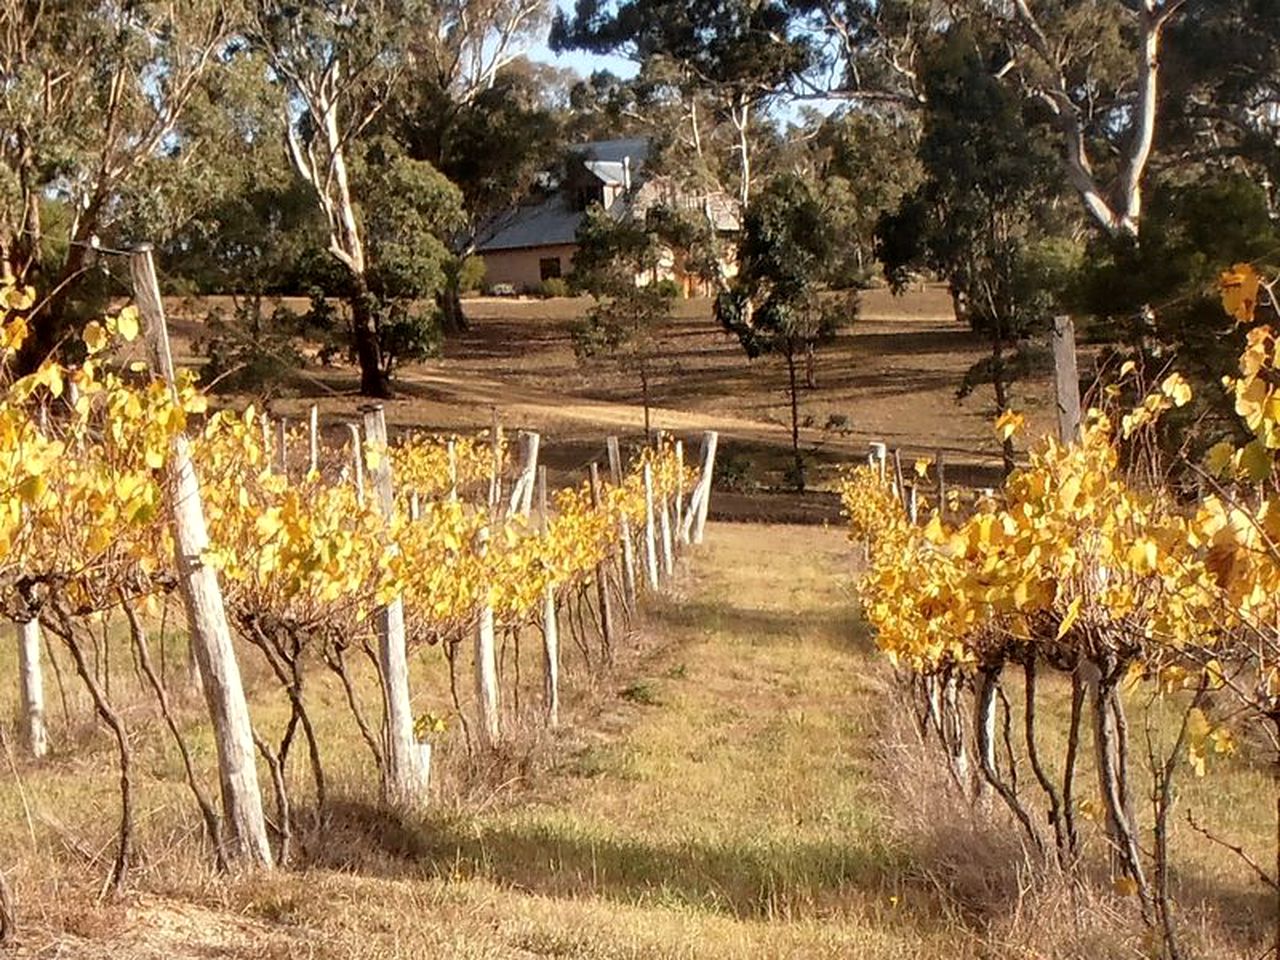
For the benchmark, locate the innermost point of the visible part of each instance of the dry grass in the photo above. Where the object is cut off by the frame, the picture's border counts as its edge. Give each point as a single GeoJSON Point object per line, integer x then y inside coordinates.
{"type": "Point", "coordinates": [742, 799]}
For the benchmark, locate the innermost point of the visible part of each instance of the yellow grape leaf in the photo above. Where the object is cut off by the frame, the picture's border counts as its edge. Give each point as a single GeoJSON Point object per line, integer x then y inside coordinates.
{"type": "Point", "coordinates": [1239, 288]}
{"type": "Point", "coordinates": [127, 323]}
{"type": "Point", "coordinates": [922, 467]}
{"type": "Point", "coordinates": [95, 337]}
{"type": "Point", "coordinates": [17, 298]}
{"type": "Point", "coordinates": [1176, 388]}
{"type": "Point", "coordinates": [1127, 368]}
{"type": "Point", "coordinates": [1069, 621]}
{"type": "Point", "coordinates": [1255, 461]}
{"type": "Point", "coordinates": [1218, 460]}
{"type": "Point", "coordinates": [1009, 424]}
{"type": "Point", "coordinates": [1213, 673]}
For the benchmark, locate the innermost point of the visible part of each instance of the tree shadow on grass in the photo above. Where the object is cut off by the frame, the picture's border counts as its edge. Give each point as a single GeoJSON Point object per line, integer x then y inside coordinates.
{"type": "Point", "coordinates": [744, 879]}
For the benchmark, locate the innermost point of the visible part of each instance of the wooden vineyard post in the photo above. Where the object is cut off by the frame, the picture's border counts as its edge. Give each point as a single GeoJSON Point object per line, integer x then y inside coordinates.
{"type": "Point", "coordinates": [495, 447]}
{"type": "Point", "coordinates": [522, 488]}
{"type": "Point", "coordinates": [550, 627]}
{"type": "Point", "coordinates": [628, 541]}
{"type": "Point", "coordinates": [402, 776]}
{"type": "Point", "coordinates": [899, 481]}
{"type": "Point", "coordinates": [210, 634]}
{"type": "Point", "coordinates": [602, 576]}
{"type": "Point", "coordinates": [695, 520]}
{"type": "Point", "coordinates": [357, 462]}
{"type": "Point", "coordinates": [1066, 379]}
{"type": "Point", "coordinates": [650, 541]}
{"type": "Point", "coordinates": [679, 490]}
{"type": "Point", "coordinates": [486, 661]}
{"type": "Point", "coordinates": [879, 454]}
{"type": "Point", "coordinates": [313, 436]}
{"type": "Point", "coordinates": [32, 688]}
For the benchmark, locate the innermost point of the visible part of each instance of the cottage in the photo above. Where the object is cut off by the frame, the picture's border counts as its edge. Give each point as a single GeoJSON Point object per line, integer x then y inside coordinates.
{"type": "Point", "coordinates": [536, 241]}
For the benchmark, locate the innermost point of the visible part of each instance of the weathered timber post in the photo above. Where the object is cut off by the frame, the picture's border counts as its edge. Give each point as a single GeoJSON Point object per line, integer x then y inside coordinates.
{"type": "Point", "coordinates": [313, 435]}
{"type": "Point", "coordinates": [1066, 378]}
{"type": "Point", "coordinates": [402, 777]}
{"type": "Point", "coordinates": [899, 481]}
{"type": "Point", "coordinates": [357, 461]}
{"type": "Point", "coordinates": [650, 541]}
{"type": "Point", "coordinates": [550, 627]}
{"type": "Point", "coordinates": [495, 481]}
{"type": "Point", "coordinates": [522, 488]}
{"type": "Point", "coordinates": [695, 521]}
{"type": "Point", "coordinates": [602, 575]}
{"type": "Point", "coordinates": [210, 634]}
{"type": "Point", "coordinates": [679, 490]}
{"type": "Point", "coordinates": [880, 453]}
{"type": "Point", "coordinates": [266, 437]}
{"type": "Point", "coordinates": [628, 541]}
{"type": "Point", "coordinates": [486, 660]}
{"type": "Point", "coordinates": [32, 688]}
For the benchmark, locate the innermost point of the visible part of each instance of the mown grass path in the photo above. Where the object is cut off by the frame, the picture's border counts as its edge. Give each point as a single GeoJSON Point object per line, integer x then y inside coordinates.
{"type": "Point", "coordinates": [724, 805]}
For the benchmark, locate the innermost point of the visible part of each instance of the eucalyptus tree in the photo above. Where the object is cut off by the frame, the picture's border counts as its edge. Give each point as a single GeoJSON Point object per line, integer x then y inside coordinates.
{"type": "Point", "coordinates": [94, 99]}
{"type": "Point", "coordinates": [984, 215]}
{"type": "Point", "coordinates": [1095, 68]}
{"type": "Point", "coordinates": [739, 55]}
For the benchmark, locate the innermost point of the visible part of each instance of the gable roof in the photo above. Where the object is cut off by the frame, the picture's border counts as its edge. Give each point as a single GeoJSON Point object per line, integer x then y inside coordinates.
{"type": "Point", "coordinates": [553, 221]}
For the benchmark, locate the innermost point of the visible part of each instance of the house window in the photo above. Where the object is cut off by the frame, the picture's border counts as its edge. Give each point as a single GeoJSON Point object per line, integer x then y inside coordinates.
{"type": "Point", "coordinates": [549, 268]}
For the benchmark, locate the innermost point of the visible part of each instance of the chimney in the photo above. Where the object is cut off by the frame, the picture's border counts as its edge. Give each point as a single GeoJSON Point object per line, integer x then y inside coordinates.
{"type": "Point", "coordinates": [626, 174]}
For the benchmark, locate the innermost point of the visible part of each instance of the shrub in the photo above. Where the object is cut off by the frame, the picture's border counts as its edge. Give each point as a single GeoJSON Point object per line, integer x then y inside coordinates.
{"type": "Point", "coordinates": [471, 274]}
{"type": "Point", "coordinates": [553, 287]}
{"type": "Point", "coordinates": [408, 333]}
{"type": "Point", "coordinates": [669, 288]}
{"type": "Point", "coordinates": [248, 352]}
{"type": "Point", "coordinates": [733, 471]}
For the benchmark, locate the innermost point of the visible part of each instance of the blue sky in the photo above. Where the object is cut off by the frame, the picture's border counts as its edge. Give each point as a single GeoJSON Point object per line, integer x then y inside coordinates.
{"type": "Point", "coordinates": [583, 63]}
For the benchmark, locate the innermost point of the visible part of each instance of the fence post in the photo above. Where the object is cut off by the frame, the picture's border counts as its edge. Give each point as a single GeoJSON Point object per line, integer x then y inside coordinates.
{"type": "Point", "coordinates": [550, 627]}
{"type": "Point", "coordinates": [679, 490]}
{"type": "Point", "coordinates": [522, 488]}
{"type": "Point", "coordinates": [495, 447]}
{"type": "Point", "coordinates": [486, 660]}
{"type": "Point", "coordinates": [1066, 379]}
{"type": "Point", "coordinates": [650, 541]}
{"type": "Point", "coordinates": [402, 778]}
{"type": "Point", "coordinates": [710, 440]}
{"type": "Point", "coordinates": [628, 541]}
{"type": "Point", "coordinates": [879, 453]}
{"type": "Point", "coordinates": [602, 574]}
{"type": "Point", "coordinates": [210, 634]}
{"type": "Point", "coordinates": [313, 435]}
{"type": "Point", "coordinates": [32, 688]}
{"type": "Point", "coordinates": [357, 458]}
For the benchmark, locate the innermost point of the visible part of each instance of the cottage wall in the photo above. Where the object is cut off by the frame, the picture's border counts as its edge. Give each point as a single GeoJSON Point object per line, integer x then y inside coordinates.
{"type": "Point", "coordinates": [522, 268]}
